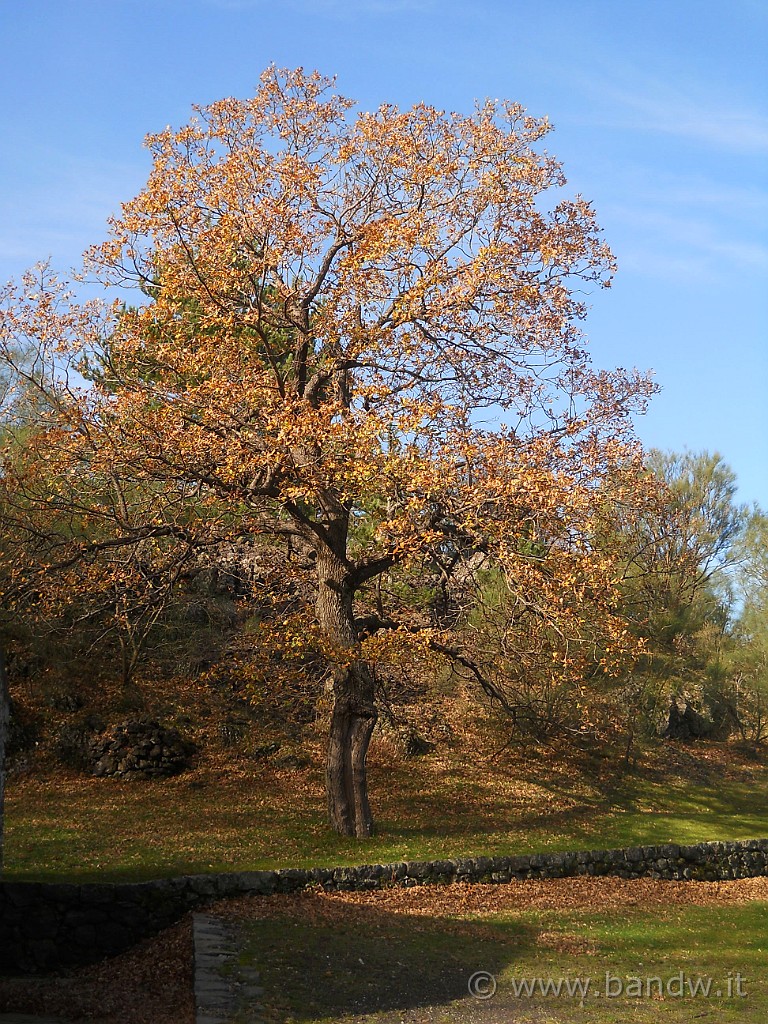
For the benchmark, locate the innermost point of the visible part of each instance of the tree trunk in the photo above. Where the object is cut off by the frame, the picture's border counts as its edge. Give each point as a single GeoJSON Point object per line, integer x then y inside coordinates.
{"type": "Point", "coordinates": [5, 714]}
{"type": "Point", "coordinates": [352, 722]}
{"type": "Point", "coordinates": [354, 709]}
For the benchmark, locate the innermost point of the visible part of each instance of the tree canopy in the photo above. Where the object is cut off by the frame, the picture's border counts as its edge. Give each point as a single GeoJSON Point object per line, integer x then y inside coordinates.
{"type": "Point", "coordinates": [356, 331]}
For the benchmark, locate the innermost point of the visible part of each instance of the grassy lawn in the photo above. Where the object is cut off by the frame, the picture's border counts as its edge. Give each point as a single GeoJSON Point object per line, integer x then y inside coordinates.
{"type": "Point", "coordinates": [372, 960]}
{"type": "Point", "coordinates": [238, 815]}
{"type": "Point", "coordinates": [369, 965]}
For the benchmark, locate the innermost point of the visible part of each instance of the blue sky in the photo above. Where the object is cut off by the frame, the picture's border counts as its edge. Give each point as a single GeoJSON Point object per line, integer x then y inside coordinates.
{"type": "Point", "coordinates": [660, 110]}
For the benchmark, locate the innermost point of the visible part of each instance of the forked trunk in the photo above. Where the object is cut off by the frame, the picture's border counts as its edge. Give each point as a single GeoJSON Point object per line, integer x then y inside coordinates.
{"type": "Point", "coordinates": [354, 709]}
{"type": "Point", "coordinates": [352, 722]}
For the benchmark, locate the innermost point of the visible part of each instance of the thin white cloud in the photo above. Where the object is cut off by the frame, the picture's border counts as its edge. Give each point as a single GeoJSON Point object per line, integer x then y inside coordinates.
{"type": "Point", "coordinates": [624, 97]}
{"type": "Point", "coordinates": [662, 243]}
{"type": "Point", "coordinates": [727, 200]}
{"type": "Point", "coordinates": [736, 202]}
{"type": "Point", "coordinates": [721, 127]}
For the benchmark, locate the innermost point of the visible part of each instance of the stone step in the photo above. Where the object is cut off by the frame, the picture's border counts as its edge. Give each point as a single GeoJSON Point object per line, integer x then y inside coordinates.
{"type": "Point", "coordinates": [223, 989]}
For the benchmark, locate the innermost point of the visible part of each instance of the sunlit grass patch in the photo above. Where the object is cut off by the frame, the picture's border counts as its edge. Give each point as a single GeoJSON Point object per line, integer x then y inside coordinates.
{"type": "Point", "coordinates": [229, 816]}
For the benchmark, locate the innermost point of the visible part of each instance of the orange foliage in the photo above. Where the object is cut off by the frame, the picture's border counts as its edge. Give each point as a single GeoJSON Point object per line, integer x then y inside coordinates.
{"type": "Point", "coordinates": [335, 306]}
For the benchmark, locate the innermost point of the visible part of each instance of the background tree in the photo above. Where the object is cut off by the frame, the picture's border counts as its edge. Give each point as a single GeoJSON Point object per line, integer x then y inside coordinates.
{"type": "Point", "coordinates": [17, 367]}
{"type": "Point", "coordinates": [334, 305]}
{"type": "Point", "coordinates": [678, 592]}
{"type": "Point", "coordinates": [748, 660]}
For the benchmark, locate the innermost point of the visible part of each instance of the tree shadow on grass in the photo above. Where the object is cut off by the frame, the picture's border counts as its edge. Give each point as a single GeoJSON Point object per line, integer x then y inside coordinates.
{"type": "Point", "coordinates": [481, 831]}
{"type": "Point", "coordinates": [324, 959]}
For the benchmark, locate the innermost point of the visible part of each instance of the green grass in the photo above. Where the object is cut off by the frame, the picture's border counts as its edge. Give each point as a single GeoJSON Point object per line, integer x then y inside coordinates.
{"type": "Point", "coordinates": [381, 967]}
{"type": "Point", "coordinates": [373, 966]}
{"type": "Point", "coordinates": [682, 948]}
{"type": "Point", "coordinates": [238, 816]}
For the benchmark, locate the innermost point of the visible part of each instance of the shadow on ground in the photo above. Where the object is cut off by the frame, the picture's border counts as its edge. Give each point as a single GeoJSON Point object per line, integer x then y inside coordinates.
{"type": "Point", "coordinates": [326, 960]}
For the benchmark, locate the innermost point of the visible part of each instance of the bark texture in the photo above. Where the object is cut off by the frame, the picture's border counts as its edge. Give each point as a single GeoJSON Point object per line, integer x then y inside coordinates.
{"type": "Point", "coordinates": [354, 709]}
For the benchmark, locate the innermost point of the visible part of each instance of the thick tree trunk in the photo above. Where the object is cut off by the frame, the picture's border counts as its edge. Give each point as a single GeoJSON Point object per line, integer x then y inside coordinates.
{"type": "Point", "coordinates": [354, 709]}
{"type": "Point", "coordinates": [5, 714]}
{"type": "Point", "coordinates": [352, 722]}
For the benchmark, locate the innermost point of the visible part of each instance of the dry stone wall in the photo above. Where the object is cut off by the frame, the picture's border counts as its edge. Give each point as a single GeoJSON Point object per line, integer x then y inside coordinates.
{"type": "Point", "coordinates": [46, 926]}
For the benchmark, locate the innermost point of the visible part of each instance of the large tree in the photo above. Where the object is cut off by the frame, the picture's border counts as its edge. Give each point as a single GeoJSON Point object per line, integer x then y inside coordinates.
{"type": "Point", "coordinates": [333, 312]}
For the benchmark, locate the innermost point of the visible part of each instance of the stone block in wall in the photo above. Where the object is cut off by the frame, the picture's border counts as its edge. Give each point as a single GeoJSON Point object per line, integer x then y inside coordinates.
{"type": "Point", "coordinates": [387, 873]}
{"type": "Point", "coordinates": [443, 870]}
{"type": "Point", "coordinates": [481, 868]}
{"type": "Point", "coordinates": [322, 875]}
{"type": "Point", "coordinates": [520, 865]}
{"type": "Point", "coordinates": [464, 868]}
{"type": "Point", "coordinates": [669, 850]}
{"type": "Point", "coordinates": [693, 854]}
{"type": "Point", "coordinates": [420, 869]}
{"type": "Point", "coordinates": [292, 879]}
{"type": "Point", "coordinates": [202, 885]}
{"type": "Point", "coordinates": [344, 879]}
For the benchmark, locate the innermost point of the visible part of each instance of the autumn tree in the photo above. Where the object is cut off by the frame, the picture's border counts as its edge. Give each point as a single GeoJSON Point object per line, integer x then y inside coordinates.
{"type": "Point", "coordinates": [359, 333]}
